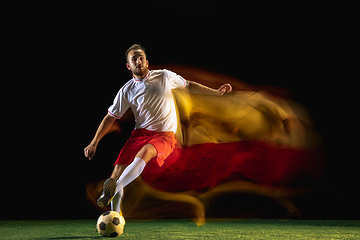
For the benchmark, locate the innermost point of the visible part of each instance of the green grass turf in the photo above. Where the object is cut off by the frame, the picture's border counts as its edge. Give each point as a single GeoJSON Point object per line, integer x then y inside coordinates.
{"type": "Point", "coordinates": [186, 229]}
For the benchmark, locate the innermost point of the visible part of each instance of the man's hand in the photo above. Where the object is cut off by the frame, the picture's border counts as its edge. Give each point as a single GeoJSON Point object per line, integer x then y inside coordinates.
{"type": "Point", "coordinates": [225, 88]}
{"type": "Point", "coordinates": [89, 151]}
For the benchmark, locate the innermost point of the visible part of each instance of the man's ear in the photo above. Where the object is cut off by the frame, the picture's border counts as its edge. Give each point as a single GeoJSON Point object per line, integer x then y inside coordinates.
{"type": "Point", "coordinates": [147, 63]}
{"type": "Point", "coordinates": [127, 66]}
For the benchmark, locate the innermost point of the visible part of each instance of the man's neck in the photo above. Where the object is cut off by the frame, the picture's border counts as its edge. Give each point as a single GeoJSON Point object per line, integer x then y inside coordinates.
{"type": "Point", "coordinates": [142, 76]}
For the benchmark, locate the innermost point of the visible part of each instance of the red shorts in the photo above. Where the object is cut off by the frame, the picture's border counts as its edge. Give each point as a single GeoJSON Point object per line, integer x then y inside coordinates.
{"type": "Point", "coordinates": [164, 142]}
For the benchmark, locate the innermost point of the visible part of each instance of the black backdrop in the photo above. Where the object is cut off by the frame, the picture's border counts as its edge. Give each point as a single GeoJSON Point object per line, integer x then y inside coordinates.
{"type": "Point", "coordinates": [68, 63]}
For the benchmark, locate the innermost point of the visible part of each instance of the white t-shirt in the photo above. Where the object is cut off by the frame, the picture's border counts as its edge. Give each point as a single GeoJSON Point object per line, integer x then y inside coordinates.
{"type": "Point", "coordinates": [150, 100]}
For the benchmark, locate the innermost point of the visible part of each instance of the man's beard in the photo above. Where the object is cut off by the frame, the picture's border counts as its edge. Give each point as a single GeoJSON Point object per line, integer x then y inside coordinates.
{"type": "Point", "coordinates": [139, 72]}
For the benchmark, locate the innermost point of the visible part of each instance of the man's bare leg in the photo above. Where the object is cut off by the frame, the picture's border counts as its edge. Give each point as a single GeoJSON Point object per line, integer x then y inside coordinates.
{"type": "Point", "coordinates": [118, 170]}
{"type": "Point", "coordinates": [112, 187]}
{"type": "Point", "coordinates": [147, 153]}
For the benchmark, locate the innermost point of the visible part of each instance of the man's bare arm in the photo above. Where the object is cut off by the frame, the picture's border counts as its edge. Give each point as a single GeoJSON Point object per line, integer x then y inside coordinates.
{"type": "Point", "coordinates": [103, 128]}
{"type": "Point", "coordinates": [195, 87]}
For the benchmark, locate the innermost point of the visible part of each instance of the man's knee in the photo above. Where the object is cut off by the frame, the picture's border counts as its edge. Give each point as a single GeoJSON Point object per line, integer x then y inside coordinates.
{"type": "Point", "coordinates": [147, 153]}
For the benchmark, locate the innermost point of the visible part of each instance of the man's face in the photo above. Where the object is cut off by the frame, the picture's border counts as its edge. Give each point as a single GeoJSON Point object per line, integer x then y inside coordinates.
{"type": "Point", "coordinates": [137, 63]}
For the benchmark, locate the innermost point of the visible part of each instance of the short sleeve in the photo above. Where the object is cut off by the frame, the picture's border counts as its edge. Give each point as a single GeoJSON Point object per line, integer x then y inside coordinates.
{"type": "Point", "coordinates": [177, 81]}
{"type": "Point", "coordinates": [119, 106]}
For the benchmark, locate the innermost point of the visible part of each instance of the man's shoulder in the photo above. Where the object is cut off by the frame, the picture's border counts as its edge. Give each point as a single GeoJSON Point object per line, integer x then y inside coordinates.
{"type": "Point", "coordinates": [128, 84]}
{"type": "Point", "coordinates": [161, 72]}
{"type": "Point", "coordinates": [158, 72]}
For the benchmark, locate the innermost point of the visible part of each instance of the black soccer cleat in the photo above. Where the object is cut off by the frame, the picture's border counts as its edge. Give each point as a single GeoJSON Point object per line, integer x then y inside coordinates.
{"type": "Point", "coordinates": [107, 196]}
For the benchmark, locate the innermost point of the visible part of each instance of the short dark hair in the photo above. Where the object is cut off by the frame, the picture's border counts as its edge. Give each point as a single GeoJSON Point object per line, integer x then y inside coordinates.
{"type": "Point", "coordinates": [134, 47]}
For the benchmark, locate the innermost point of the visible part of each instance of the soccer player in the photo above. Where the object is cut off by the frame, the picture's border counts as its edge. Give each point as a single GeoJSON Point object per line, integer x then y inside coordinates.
{"type": "Point", "coordinates": [149, 96]}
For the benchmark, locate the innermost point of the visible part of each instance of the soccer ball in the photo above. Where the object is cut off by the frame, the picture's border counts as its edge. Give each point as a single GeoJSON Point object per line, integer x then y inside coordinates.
{"type": "Point", "coordinates": [110, 224]}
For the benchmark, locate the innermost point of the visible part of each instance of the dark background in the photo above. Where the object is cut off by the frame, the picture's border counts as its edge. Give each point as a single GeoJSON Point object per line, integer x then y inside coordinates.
{"type": "Point", "coordinates": [67, 63]}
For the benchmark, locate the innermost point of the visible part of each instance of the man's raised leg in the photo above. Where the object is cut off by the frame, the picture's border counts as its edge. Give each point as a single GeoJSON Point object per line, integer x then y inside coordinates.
{"type": "Point", "coordinates": [129, 174]}
{"type": "Point", "coordinates": [109, 187]}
